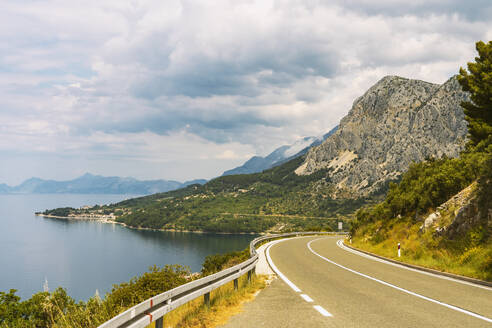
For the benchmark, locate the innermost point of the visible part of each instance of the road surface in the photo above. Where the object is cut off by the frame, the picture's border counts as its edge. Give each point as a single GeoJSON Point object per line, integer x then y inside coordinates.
{"type": "Point", "coordinates": [325, 285]}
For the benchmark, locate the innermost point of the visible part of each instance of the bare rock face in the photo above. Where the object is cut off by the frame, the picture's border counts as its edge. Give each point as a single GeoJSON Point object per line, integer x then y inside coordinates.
{"type": "Point", "coordinates": [396, 122]}
{"type": "Point", "coordinates": [456, 215]}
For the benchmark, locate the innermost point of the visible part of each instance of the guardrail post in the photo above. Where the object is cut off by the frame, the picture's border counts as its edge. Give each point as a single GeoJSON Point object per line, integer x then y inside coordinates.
{"type": "Point", "coordinates": [126, 318]}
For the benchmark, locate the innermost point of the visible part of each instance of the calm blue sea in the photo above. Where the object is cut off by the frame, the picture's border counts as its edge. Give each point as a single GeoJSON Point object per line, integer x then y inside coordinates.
{"type": "Point", "coordinates": [83, 256]}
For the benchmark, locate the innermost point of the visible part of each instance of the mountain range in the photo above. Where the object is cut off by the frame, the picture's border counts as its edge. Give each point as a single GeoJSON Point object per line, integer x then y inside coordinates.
{"type": "Point", "coordinates": [96, 184]}
{"type": "Point", "coordinates": [280, 155]}
{"type": "Point", "coordinates": [398, 121]}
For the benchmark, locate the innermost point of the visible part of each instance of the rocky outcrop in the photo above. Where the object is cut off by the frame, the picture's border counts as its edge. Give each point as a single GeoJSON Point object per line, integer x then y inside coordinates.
{"type": "Point", "coordinates": [458, 215]}
{"type": "Point", "coordinates": [396, 122]}
{"type": "Point", "coordinates": [467, 217]}
{"type": "Point", "coordinates": [455, 215]}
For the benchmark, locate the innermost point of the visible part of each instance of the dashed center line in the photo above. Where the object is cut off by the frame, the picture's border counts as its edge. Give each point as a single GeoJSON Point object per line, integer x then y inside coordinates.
{"type": "Point", "coordinates": [307, 298]}
{"type": "Point", "coordinates": [323, 312]}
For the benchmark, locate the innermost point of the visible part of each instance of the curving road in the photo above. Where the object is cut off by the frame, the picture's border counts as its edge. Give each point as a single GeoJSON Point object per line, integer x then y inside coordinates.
{"type": "Point", "coordinates": [327, 285]}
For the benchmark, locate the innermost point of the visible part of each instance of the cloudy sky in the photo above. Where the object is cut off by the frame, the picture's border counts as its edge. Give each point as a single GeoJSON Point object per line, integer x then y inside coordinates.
{"type": "Point", "coordinates": [187, 89]}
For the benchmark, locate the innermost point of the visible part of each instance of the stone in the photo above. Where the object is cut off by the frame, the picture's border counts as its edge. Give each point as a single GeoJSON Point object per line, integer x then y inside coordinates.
{"type": "Point", "coordinates": [396, 122]}
{"type": "Point", "coordinates": [431, 219]}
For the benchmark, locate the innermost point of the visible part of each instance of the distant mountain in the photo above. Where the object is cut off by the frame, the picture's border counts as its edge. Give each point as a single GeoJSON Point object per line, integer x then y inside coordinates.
{"type": "Point", "coordinates": [4, 188]}
{"type": "Point", "coordinates": [279, 156]}
{"type": "Point", "coordinates": [96, 184]}
{"type": "Point", "coordinates": [396, 122]}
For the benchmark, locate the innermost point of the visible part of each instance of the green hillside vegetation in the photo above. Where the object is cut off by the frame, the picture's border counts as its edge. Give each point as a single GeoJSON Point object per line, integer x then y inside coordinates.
{"type": "Point", "coordinates": [425, 186]}
{"type": "Point", "coordinates": [58, 310]}
{"type": "Point", "coordinates": [274, 200]}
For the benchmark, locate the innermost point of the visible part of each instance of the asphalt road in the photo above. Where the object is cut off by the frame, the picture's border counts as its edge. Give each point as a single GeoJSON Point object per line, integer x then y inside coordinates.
{"type": "Point", "coordinates": [328, 286]}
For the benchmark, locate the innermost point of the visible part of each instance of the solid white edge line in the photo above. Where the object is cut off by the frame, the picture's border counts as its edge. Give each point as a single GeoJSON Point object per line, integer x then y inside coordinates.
{"type": "Point", "coordinates": [345, 248]}
{"type": "Point", "coordinates": [277, 271]}
{"type": "Point", "coordinates": [449, 306]}
{"type": "Point", "coordinates": [323, 312]}
{"type": "Point", "coordinates": [307, 298]}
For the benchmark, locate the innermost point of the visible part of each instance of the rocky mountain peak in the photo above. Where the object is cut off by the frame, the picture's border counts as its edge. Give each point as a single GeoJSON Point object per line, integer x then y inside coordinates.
{"type": "Point", "coordinates": [390, 94]}
{"type": "Point", "coordinates": [396, 122]}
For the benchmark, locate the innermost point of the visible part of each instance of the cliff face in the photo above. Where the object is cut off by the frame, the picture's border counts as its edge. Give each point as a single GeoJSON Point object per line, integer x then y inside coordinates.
{"type": "Point", "coordinates": [396, 122]}
{"type": "Point", "coordinates": [460, 214]}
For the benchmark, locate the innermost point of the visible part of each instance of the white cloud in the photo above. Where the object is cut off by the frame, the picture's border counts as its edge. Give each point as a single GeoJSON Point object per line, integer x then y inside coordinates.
{"type": "Point", "coordinates": [178, 81]}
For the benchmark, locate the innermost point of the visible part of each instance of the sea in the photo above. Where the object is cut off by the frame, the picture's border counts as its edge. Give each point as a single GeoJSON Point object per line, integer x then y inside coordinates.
{"type": "Point", "coordinates": [88, 256]}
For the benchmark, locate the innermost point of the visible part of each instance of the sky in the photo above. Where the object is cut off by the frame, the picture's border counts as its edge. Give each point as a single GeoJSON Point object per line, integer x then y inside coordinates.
{"type": "Point", "coordinates": [187, 89]}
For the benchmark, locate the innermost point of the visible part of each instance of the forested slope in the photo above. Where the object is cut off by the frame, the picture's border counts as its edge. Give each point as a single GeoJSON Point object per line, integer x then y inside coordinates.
{"type": "Point", "coordinates": [275, 199]}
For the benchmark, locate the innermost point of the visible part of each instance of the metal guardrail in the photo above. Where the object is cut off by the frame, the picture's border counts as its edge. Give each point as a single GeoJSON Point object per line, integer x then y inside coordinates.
{"type": "Point", "coordinates": [154, 308]}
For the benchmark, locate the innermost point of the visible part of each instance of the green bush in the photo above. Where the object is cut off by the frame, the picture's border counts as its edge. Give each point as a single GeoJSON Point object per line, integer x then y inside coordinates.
{"type": "Point", "coordinates": [218, 262]}
{"type": "Point", "coordinates": [425, 186]}
{"type": "Point", "coordinates": [58, 310]}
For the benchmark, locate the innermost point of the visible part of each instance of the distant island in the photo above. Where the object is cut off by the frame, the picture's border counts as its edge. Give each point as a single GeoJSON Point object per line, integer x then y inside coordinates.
{"type": "Point", "coordinates": [96, 184]}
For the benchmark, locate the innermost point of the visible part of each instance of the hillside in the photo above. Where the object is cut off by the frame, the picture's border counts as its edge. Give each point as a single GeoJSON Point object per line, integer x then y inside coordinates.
{"type": "Point", "coordinates": [280, 155]}
{"type": "Point", "coordinates": [441, 211]}
{"type": "Point", "coordinates": [95, 184]}
{"type": "Point", "coordinates": [276, 199]}
{"type": "Point", "coordinates": [401, 113]}
{"type": "Point", "coordinates": [396, 122]}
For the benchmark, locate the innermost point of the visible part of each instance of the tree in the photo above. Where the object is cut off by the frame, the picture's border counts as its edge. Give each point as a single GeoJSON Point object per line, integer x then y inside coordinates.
{"type": "Point", "coordinates": [478, 81]}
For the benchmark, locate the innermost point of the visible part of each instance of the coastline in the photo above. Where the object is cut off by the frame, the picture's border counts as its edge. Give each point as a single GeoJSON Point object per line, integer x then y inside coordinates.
{"type": "Point", "coordinates": [112, 221]}
{"type": "Point", "coordinates": [74, 218]}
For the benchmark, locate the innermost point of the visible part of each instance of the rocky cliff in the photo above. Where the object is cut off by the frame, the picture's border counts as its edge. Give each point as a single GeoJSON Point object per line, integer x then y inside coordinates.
{"type": "Point", "coordinates": [396, 122]}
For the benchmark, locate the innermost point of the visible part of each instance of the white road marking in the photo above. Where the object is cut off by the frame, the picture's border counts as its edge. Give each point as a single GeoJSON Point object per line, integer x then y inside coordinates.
{"type": "Point", "coordinates": [449, 306]}
{"type": "Point", "coordinates": [342, 246]}
{"type": "Point", "coordinates": [307, 298]}
{"type": "Point", "coordinates": [323, 312]}
{"type": "Point", "coordinates": [277, 271]}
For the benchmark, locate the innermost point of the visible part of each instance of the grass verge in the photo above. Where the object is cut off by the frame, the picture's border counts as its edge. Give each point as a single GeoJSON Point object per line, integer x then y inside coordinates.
{"type": "Point", "coordinates": [423, 249]}
{"type": "Point", "coordinates": [224, 303]}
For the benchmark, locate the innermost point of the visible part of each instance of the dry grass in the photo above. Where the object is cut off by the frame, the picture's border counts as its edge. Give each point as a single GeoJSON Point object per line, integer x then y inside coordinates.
{"type": "Point", "coordinates": [425, 250]}
{"type": "Point", "coordinates": [224, 303]}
